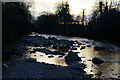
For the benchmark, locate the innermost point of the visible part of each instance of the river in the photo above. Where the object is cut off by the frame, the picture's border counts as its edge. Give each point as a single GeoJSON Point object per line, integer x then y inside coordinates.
{"type": "Point", "coordinates": [111, 56]}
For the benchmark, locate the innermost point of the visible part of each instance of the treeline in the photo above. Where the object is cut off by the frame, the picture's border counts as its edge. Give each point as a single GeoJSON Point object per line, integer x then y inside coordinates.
{"type": "Point", "coordinates": [58, 23]}
{"type": "Point", "coordinates": [103, 24]}
{"type": "Point", "coordinates": [16, 21]}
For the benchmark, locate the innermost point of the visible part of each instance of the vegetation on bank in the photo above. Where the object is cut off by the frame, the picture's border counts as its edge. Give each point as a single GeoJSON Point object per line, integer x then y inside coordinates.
{"type": "Point", "coordinates": [16, 21]}
{"type": "Point", "coordinates": [103, 23]}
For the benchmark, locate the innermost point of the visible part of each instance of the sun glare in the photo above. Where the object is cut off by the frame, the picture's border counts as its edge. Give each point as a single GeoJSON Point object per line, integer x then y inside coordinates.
{"type": "Point", "coordinates": [76, 6]}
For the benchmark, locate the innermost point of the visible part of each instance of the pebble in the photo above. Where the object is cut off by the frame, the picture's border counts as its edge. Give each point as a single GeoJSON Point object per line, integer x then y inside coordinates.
{"type": "Point", "coordinates": [5, 66]}
{"type": "Point", "coordinates": [111, 69]}
{"type": "Point", "coordinates": [41, 55]}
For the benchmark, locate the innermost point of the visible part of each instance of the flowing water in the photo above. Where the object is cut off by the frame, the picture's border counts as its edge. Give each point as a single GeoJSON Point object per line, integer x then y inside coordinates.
{"type": "Point", "coordinates": [108, 69]}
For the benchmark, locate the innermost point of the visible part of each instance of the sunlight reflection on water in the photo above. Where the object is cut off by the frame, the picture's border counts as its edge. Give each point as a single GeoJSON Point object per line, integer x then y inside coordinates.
{"type": "Point", "coordinates": [109, 69]}
{"type": "Point", "coordinates": [42, 57]}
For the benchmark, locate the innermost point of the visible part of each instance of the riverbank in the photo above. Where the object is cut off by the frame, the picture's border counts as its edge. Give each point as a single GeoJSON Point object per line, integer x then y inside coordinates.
{"type": "Point", "coordinates": [47, 54]}
{"type": "Point", "coordinates": [20, 68]}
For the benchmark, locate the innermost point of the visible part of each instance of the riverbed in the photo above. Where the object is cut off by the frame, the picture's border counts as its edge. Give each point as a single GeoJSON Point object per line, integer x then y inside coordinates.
{"type": "Point", "coordinates": [110, 55]}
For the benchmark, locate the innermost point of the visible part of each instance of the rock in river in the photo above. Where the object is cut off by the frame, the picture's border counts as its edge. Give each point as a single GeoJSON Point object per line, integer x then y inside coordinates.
{"type": "Point", "coordinates": [63, 48]}
{"type": "Point", "coordinates": [50, 56]}
{"type": "Point", "coordinates": [72, 56]}
{"type": "Point", "coordinates": [96, 60]}
{"type": "Point", "coordinates": [55, 46]}
{"type": "Point", "coordinates": [32, 52]}
{"type": "Point", "coordinates": [88, 45]}
{"type": "Point", "coordinates": [57, 53]}
{"type": "Point", "coordinates": [73, 48]}
{"type": "Point", "coordinates": [83, 47]}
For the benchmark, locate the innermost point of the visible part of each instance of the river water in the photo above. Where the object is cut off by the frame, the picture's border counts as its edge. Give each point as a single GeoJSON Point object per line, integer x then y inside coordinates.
{"type": "Point", "coordinates": [111, 56]}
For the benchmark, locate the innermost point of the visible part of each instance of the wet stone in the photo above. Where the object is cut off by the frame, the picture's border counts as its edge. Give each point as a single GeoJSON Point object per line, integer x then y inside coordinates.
{"type": "Point", "coordinates": [76, 42]}
{"type": "Point", "coordinates": [36, 50]}
{"type": "Point", "coordinates": [89, 60]}
{"type": "Point", "coordinates": [73, 48]}
{"type": "Point", "coordinates": [83, 47]}
{"type": "Point", "coordinates": [88, 46]}
{"type": "Point", "coordinates": [55, 46]}
{"type": "Point", "coordinates": [57, 53]}
{"type": "Point", "coordinates": [78, 46]}
{"type": "Point", "coordinates": [76, 52]}
{"type": "Point", "coordinates": [111, 69]}
{"type": "Point", "coordinates": [41, 55]}
{"type": "Point", "coordinates": [79, 43]}
{"type": "Point", "coordinates": [72, 57]}
{"type": "Point", "coordinates": [91, 71]}
{"type": "Point", "coordinates": [63, 48]}
{"type": "Point", "coordinates": [32, 51]}
{"type": "Point", "coordinates": [50, 56]}
{"type": "Point", "coordinates": [96, 60]}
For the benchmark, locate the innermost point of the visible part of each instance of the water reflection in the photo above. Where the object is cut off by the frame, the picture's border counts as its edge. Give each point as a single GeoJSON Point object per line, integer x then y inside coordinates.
{"type": "Point", "coordinates": [109, 69]}
{"type": "Point", "coordinates": [42, 57]}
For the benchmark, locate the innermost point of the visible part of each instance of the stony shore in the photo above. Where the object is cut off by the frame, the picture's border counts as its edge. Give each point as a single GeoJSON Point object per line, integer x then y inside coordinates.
{"type": "Point", "coordinates": [19, 68]}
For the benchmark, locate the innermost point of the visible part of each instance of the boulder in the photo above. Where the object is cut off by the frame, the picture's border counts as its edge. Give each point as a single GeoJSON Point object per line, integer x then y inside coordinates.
{"type": "Point", "coordinates": [72, 56]}
{"type": "Point", "coordinates": [96, 60]}
{"type": "Point", "coordinates": [98, 48]}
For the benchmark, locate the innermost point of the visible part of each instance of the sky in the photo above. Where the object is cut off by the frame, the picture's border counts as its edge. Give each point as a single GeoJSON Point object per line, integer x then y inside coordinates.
{"type": "Point", "coordinates": [76, 6]}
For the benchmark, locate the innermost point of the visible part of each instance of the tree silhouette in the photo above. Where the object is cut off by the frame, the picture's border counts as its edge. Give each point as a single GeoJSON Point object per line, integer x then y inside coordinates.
{"type": "Point", "coordinates": [46, 23]}
{"type": "Point", "coordinates": [63, 12]}
{"type": "Point", "coordinates": [16, 20]}
{"type": "Point", "coordinates": [105, 23]}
